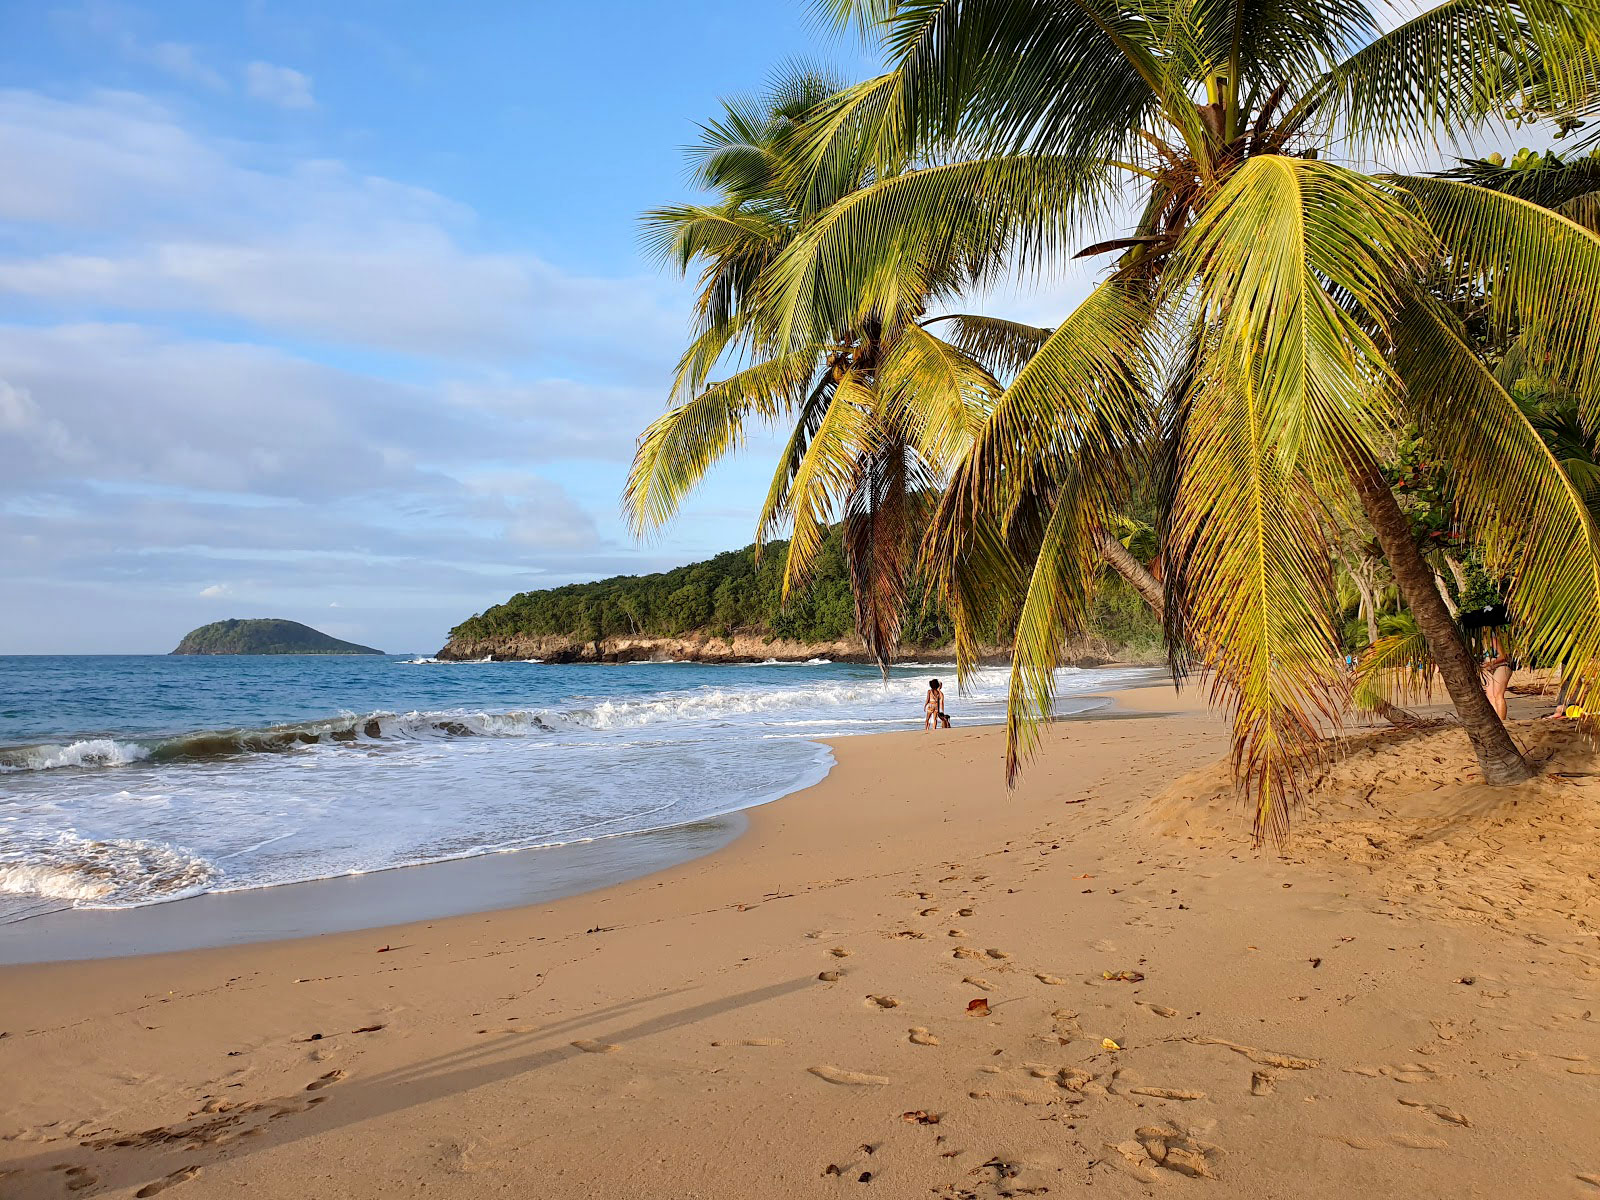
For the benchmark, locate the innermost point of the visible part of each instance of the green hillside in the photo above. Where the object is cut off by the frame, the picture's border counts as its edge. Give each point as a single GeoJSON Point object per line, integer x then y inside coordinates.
{"type": "Point", "coordinates": [732, 593]}
{"type": "Point", "coordinates": [265, 636]}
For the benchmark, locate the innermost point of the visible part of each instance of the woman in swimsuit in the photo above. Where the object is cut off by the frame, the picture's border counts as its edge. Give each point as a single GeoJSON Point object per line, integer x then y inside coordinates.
{"type": "Point", "coordinates": [1497, 676]}
{"type": "Point", "coordinates": [933, 707]}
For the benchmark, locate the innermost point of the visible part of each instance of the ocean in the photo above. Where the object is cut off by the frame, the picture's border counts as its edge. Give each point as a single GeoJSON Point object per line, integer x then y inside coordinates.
{"type": "Point", "coordinates": [127, 781]}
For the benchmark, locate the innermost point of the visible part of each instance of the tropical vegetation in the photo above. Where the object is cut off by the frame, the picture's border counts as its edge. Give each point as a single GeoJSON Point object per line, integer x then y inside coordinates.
{"type": "Point", "coordinates": [1277, 320]}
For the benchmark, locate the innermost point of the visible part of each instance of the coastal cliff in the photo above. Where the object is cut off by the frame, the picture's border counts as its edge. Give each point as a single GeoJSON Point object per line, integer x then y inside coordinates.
{"type": "Point", "coordinates": [738, 648]}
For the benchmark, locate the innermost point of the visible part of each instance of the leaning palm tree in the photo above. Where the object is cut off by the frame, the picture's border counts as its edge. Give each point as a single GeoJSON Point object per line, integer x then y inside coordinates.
{"type": "Point", "coordinates": [879, 404]}
{"type": "Point", "coordinates": [1264, 330]}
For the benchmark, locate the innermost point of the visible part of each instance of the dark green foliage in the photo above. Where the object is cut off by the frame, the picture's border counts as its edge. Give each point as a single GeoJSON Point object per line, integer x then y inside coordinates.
{"type": "Point", "coordinates": [732, 593]}
{"type": "Point", "coordinates": [265, 636]}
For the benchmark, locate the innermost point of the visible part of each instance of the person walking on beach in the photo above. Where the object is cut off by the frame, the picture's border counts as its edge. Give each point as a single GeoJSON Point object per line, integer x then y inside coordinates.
{"type": "Point", "coordinates": [933, 707]}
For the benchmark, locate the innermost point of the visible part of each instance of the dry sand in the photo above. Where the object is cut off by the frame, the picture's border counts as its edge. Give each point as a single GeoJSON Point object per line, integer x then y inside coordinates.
{"type": "Point", "coordinates": [1406, 1005]}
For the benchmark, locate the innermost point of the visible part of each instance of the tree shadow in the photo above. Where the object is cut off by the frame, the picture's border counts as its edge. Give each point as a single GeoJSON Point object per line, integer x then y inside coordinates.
{"type": "Point", "coordinates": [150, 1156]}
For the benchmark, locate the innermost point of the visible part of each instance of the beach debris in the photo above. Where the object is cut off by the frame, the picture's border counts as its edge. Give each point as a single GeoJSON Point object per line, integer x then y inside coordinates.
{"type": "Point", "coordinates": [1315, 963]}
{"type": "Point", "coordinates": [1108, 1044]}
{"type": "Point", "coordinates": [1123, 976]}
{"type": "Point", "coordinates": [920, 1116]}
{"type": "Point", "coordinates": [383, 949]}
{"type": "Point", "coordinates": [832, 1169]}
{"type": "Point", "coordinates": [601, 929]}
{"type": "Point", "coordinates": [832, 1074]}
{"type": "Point", "coordinates": [864, 1177]}
{"type": "Point", "coordinates": [978, 1007]}
{"type": "Point", "coordinates": [866, 1148]}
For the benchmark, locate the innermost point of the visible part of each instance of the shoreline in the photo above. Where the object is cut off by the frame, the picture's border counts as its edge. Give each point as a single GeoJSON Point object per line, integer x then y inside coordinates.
{"type": "Point", "coordinates": [408, 893]}
{"type": "Point", "coordinates": [791, 1013]}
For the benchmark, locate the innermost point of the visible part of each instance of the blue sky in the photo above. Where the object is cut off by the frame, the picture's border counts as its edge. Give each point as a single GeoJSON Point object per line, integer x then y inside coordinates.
{"type": "Point", "coordinates": [336, 312]}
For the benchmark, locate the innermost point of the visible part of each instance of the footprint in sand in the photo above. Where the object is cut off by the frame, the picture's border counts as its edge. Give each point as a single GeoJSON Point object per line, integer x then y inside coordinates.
{"type": "Point", "coordinates": [883, 1001]}
{"type": "Point", "coordinates": [965, 912]}
{"type": "Point", "coordinates": [755, 1041]}
{"type": "Point", "coordinates": [921, 1037]}
{"type": "Point", "coordinates": [1160, 1010]}
{"type": "Point", "coordinates": [77, 1178]}
{"type": "Point", "coordinates": [977, 981]}
{"type": "Point", "coordinates": [830, 976]}
{"type": "Point", "coordinates": [590, 1046]}
{"type": "Point", "coordinates": [1176, 1151]}
{"type": "Point", "coordinates": [166, 1181]}
{"type": "Point", "coordinates": [1002, 954]}
{"type": "Point", "coordinates": [854, 1078]}
{"type": "Point", "coordinates": [956, 933]}
{"type": "Point", "coordinates": [1046, 977]}
{"type": "Point", "coordinates": [322, 1081]}
{"type": "Point", "coordinates": [839, 952]}
{"type": "Point", "coordinates": [1262, 1084]}
{"type": "Point", "coordinates": [1161, 1093]}
{"type": "Point", "coordinates": [1448, 1115]}
{"type": "Point", "coordinates": [965, 952]}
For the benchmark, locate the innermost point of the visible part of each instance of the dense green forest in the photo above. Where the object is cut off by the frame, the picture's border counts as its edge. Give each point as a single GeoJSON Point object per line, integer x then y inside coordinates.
{"type": "Point", "coordinates": [734, 593]}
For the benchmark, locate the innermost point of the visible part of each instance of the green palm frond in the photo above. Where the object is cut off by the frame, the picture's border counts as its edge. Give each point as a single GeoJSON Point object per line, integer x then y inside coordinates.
{"type": "Point", "coordinates": [814, 491]}
{"type": "Point", "coordinates": [1530, 520]}
{"type": "Point", "coordinates": [1396, 669]}
{"type": "Point", "coordinates": [1539, 270]}
{"type": "Point", "coordinates": [681, 445]}
{"type": "Point", "coordinates": [1249, 574]}
{"type": "Point", "coordinates": [1446, 72]}
{"type": "Point", "coordinates": [1004, 347]}
{"type": "Point", "coordinates": [936, 393]}
{"type": "Point", "coordinates": [965, 219]}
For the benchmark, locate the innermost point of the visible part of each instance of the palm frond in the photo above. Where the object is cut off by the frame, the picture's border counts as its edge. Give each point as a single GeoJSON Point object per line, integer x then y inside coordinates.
{"type": "Point", "coordinates": [1443, 74]}
{"type": "Point", "coordinates": [1539, 270]}
{"type": "Point", "coordinates": [1528, 518]}
{"type": "Point", "coordinates": [680, 446]}
{"type": "Point", "coordinates": [1003, 347]}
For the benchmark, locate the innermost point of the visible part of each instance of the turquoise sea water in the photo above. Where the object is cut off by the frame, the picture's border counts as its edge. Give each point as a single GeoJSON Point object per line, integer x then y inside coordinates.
{"type": "Point", "coordinates": [129, 780]}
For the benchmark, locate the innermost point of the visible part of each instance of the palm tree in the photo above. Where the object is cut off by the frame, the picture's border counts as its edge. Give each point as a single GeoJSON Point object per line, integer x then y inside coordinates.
{"type": "Point", "coordinates": [879, 403]}
{"type": "Point", "coordinates": [1264, 331]}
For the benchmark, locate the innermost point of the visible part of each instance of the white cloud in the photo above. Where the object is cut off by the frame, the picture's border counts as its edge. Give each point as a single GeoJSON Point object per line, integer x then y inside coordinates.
{"type": "Point", "coordinates": [181, 223]}
{"type": "Point", "coordinates": [283, 86]}
{"type": "Point", "coordinates": [216, 590]}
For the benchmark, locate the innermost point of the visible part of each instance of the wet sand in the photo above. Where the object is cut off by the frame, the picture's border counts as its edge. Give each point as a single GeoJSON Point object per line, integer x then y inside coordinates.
{"type": "Point", "coordinates": [1407, 1004]}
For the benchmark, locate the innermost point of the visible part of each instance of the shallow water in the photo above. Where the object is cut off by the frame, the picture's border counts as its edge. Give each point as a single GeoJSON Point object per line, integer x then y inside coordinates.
{"type": "Point", "coordinates": [131, 780]}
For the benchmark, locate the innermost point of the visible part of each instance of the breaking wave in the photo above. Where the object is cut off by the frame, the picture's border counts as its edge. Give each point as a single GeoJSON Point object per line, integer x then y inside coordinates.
{"type": "Point", "coordinates": [702, 706]}
{"type": "Point", "coordinates": [99, 874]}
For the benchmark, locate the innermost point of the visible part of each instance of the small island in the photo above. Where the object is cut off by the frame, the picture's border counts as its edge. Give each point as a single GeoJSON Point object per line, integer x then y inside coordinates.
{"type": "Point", "coordinates": [264, 636]}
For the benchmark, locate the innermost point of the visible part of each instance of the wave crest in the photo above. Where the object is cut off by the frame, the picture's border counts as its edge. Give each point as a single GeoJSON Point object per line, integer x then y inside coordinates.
{"type": "Point", "coordinates": [119, 873]}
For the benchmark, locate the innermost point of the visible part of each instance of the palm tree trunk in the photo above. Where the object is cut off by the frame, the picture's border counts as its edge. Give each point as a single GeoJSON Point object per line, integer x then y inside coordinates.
{"type": "Point", "coordinates": [1498, 756]}
{"type": "Point", "coordinates": [1131, 569]}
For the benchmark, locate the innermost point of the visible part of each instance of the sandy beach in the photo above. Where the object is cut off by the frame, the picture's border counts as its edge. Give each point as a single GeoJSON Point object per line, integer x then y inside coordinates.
{"type": "Point", "coordinates": [903, 982]}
